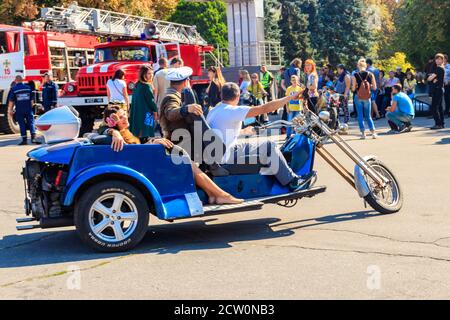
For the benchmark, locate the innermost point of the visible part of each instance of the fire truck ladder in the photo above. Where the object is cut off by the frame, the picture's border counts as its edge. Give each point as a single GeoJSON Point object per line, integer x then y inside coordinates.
{"type": "Point", "coordinates": [108, 23]}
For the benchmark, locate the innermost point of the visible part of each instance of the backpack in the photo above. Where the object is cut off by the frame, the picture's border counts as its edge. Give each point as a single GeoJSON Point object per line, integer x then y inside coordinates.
{"type": "Point", "coordinates": [364, 91]}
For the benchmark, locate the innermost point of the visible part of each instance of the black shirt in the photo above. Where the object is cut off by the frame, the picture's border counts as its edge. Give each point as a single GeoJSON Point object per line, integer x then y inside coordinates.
{"type": "Point", "coordinates": [213, 95]}
{"type": "Point", "coordinates": [361, 76]}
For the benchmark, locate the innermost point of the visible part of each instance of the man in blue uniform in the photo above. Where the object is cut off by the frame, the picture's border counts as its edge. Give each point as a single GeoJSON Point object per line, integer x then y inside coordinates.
{"type": "Point", "coordinates": [20, 96]}
{"type": "Point", "coordinates": [49, 93]}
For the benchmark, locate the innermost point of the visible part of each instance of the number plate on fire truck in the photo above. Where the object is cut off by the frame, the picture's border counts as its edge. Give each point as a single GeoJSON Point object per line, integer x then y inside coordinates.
{"type": "Point", "coordinates": [93, 100]}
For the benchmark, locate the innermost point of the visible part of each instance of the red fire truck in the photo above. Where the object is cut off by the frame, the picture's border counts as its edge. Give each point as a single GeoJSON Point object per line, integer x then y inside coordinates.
{"type": "Point", "coordinates": [30, 51]}
{"type": "Point", "coordinates": [131, 42]}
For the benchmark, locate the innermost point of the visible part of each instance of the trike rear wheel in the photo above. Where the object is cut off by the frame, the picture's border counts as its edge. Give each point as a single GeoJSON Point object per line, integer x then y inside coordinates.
{"type": "Point", "coordinates": [111, 216]}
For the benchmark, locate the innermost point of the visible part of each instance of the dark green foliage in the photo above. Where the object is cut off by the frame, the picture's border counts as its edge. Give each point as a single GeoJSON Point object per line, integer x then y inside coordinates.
{"type": "Point", "coordinates": [423, 29]}
{"type": "Point", "coordinates": [210, 18]}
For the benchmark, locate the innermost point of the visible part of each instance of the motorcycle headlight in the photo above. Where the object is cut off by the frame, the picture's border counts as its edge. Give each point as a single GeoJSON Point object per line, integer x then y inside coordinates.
{"type": "Point", "coordinates": [70, 88]}
{"type": "Point", "coordinates": [131, 86]}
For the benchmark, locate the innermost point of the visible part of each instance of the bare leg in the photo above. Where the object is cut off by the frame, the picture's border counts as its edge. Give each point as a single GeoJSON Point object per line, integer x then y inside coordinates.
{"type": "Point", "coordinates": [215, 194]}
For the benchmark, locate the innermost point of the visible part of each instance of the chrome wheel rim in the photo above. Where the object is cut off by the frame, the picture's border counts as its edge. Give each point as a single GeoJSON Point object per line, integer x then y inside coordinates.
{"type": "Point", "coordinates": [113, 217]}
{"type": "Point", "coordinates": [389, 195]}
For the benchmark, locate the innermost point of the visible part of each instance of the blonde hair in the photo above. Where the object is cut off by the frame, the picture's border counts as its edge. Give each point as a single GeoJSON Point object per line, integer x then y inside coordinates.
{"type": "Point", "coordinates": [245, 75]}
{"type": "Point", "coordinates": [362, 64]}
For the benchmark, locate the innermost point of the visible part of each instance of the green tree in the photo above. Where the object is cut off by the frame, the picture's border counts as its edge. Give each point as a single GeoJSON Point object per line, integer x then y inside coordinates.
{"type": "Point", "coordinates": [396, 60]}
{"type": "Point", "coordinates": [344, 35]}
{"type": "Point", "coordinates": [209, 17]}
{"type": "Point", "coordinates": [423, 29]}
{"type": "Point", "coordinates": [271, 18]}
{"type": "Point", "coordinates": [296, 22]}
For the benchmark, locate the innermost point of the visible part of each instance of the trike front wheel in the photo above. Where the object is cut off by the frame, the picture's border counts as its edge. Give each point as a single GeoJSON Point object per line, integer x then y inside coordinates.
{"type": "Point", "coordinates": [385, 200]}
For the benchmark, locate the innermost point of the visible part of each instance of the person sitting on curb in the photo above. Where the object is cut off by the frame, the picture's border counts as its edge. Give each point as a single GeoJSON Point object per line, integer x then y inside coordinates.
{"type": "Point", "coordinates": [401, 113]}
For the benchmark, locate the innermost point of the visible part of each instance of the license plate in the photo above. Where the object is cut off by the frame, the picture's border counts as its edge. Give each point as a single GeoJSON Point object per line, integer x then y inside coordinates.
{"type": "Point", "coordinates": [93, 100]}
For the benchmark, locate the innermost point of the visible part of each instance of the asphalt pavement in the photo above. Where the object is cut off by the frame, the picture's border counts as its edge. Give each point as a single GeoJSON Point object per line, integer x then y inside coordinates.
{"type": "Point", "coordinates": [330, 246]}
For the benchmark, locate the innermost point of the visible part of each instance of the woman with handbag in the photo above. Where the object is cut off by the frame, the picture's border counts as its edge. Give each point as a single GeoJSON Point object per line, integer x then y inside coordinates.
{"type": "Point", "coordinates": [143, 111]}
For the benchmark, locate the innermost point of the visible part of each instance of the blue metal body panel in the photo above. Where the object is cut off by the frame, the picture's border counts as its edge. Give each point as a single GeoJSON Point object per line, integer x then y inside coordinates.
{"type": "Point", "coordinates": [149, 164]}
{"type": "Point", "coordinates": [171, 184]}
{"type": "Point", "coordinates": [60, 153]}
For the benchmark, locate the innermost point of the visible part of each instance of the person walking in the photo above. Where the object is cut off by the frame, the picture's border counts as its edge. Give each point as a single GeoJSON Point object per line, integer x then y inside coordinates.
{"type": "Point", "coordinates": [143, 111]}
{"type": "Point", "coordinates": [21, 97]}
{"type": "Point", "coordinates": [49, 93]}
{"type": "Point", "coordinates": [363, 83]}
{"type": "Point", "coordinates": [267, 82]}
{"type": "Point", "coordinates": [312, 84]}
{"type": "Point", "coordinates": [447, 85]}
{"type": "Point", "coordinates": [216, 81]}
{"type": "Point", "coordinates": [294, 105]}
{"type": "Point", "coordinates": [343, 87]}
{"type": "Point", "coordinates": [116, 90]}
{"type": "Point", "coordinates": [437, 92]}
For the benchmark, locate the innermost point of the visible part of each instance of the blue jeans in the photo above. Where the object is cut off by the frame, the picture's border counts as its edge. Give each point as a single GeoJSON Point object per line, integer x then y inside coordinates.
{"type": "Point", "coordinates": [291, 115]}
{"type": "Point", "coordinates": [364, 110]}
{"type": "Point", "coordinates": [399, 118]}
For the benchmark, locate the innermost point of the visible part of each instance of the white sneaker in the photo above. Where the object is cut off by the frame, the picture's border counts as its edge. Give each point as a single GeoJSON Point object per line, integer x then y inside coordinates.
{"type": "Point", "coordinates": [374, 136]}
{"type": "Point", "coordinates": [363, 136]}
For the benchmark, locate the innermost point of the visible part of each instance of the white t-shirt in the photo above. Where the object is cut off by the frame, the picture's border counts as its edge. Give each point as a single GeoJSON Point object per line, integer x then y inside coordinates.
{"type": "Point", "coordinates": [116, 90]}
{"type": "Point", "coordinates": [244, 86]}
{"type": "Point", "coordinates": [226, 121]}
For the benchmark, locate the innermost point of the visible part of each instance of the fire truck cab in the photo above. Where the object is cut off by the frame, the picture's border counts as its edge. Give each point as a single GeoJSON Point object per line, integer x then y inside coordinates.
{"type": "Point", "coordinates": [31, 53]}
{"type": "Point", "coordinates": [88, 93]}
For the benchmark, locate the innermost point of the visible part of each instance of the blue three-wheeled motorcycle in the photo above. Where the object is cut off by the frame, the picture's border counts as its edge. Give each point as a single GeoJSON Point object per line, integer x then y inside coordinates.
{"type": "Point", "coordinates": [108, 196]}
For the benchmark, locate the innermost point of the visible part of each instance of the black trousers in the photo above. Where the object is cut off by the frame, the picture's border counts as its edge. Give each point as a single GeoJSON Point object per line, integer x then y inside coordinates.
{"type": "Point", "coordinates": [447, 99]}
{"type": "Point", "coordinates": [436, 107]}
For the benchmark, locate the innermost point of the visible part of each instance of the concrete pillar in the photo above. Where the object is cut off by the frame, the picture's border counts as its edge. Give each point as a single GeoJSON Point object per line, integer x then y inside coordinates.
{"type": "Point", "coordinates": [245, 19]}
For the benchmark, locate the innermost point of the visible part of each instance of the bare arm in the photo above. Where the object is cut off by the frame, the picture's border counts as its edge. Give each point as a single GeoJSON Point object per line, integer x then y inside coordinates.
{"type": "Point", "coordinates": [374, 82]}
{"type": "Point", "coordinates": [347, 85]}
{"type": "Point", "coordinates": [125, 95]}
{"type": "Point", "coordinates": [393, 107]}
{"type": "Point", "coordinates": [271, 106]}
{"type": "Point", "coordinates": [353, 83]}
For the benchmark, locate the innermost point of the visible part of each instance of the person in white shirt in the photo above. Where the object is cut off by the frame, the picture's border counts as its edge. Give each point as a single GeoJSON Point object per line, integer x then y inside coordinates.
{"type": "Point", "coordinates": [116, 89]}
{"type": "Point", "coordinates": [246, 80]}
{"type": "Point", "coordinates": [159, 81]}
{"type": "Point", "coordinates": [226, 120]}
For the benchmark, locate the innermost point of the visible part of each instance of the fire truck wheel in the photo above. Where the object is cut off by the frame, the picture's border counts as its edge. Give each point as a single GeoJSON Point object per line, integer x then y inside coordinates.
{"type": "Point", "coordinates": [7, 123]}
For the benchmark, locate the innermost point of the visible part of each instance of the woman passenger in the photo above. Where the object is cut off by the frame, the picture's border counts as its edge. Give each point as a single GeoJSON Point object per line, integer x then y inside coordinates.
{"type": "Point", "coordinates": [143, 111]}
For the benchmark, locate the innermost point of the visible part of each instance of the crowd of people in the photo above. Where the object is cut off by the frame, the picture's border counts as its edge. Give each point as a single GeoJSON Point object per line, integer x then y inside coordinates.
{"type": "Point", "coordinates": [375, 94]}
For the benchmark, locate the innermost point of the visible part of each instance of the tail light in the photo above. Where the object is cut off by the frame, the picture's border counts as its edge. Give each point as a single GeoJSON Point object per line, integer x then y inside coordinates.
{"type": "Point", "coordinates": [58, 178]}
{"type": "Point", "coordinates": [43, 127]}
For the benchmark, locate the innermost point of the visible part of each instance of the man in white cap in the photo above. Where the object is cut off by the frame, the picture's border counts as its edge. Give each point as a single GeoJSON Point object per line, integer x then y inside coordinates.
{"type": "Point", "coordinates": [173, 114]}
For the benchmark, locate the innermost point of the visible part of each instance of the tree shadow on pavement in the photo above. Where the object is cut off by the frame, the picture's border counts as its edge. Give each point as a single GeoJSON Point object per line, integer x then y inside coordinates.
{"type": "Point", "coordinates": [44, 248]}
